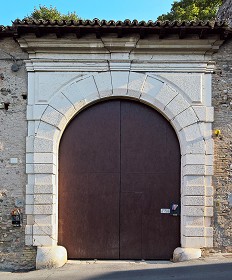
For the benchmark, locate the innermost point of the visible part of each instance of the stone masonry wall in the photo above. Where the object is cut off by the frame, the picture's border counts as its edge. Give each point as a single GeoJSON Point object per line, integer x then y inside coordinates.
{"type": "Point", "coordinates": [222, 102]}
{"type": "Point", "coordinates": [13, 130]}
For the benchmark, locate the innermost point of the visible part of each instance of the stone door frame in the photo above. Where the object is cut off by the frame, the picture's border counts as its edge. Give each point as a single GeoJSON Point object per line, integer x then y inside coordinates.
{"type": "Point", "coordinates": [46, 123]}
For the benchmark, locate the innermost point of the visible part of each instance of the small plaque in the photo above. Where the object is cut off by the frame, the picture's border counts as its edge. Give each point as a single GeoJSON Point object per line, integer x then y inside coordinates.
{"type": "Point", "coordinates": [164, 211]}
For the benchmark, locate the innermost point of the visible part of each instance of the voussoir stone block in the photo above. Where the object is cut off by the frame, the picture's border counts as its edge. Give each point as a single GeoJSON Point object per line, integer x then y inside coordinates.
{"type": "Point", "coordinates": [61, 103]}
{"type": "Point", "coordinates": [82, 92]}
{"type": "Point", "coordinates": [53, 117]}
{"type": "Point", "coordinates": [177, 105]}
{"type": "Point", "coordinates": [104, 84]}
{"type": "Point", "coordinates": [135, 84]}
{"type": "Point", "coordinates": [119, 82]}
{"type": "Point", "coordinates": [192, 133]}
{"type": "Point", "coordinates": [151, 88]}
{"type": "Point", "coordinates": [186, 254]}
{"type": "Point", "coordinates": [185, 118]}
{"type": "Point", "coordinates": [48, 131]}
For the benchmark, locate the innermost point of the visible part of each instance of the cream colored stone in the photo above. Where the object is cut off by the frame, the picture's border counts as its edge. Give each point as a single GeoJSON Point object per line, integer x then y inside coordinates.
{"type": "Point", "coordinates": [209, 147]}
{"type": "Point", "coordinates": [35, 112]}
{"type": "Point", "coordinates": [192, 133]}
{"type": "Point", "coordinates": [200, 112]}
{"type": "Point", "coordinates": [43, 230]}
{"type": "Point", "coordinates": [28, 240]}
{"type": "Point", "coordinates": [39, 168]}
{"type": "Point", "coordinates": [44, 198]}
{"type": "Point", "coordinates": [29, 209]}
{"type": "Point", "coordinates": [194, 190]}
{"type": "Point", "coordinates": [185, 118]}
{"type": "Point", "coordinates": [104, 84]}
{"type": "Point", "coordinates": [136, 84]}
{"type": "Point", "coordinates": [194, 200]}
{"type": "Point", "coordinates": [194, 169]}
{"type": "Point", "coordinates": [53, 117]}
{"type": "Point", "coordinates": [42, 145]}
{"type": "Point", "coordinates": [28, 230]}
{"type": "Point", "coordinates": [29, 189]}
{"type": "Point", "coordinates": [150, 90]}
{"type": "Point", "coordinates": [43, 189]}
{"type": "Point", "coordinates": [29, 199]}
{"type": "Point", "coordinates": [194, 231]}
{"type": "Point", "coordinates": [44, 179]}
{"type": "Point", "coordinates": [44, 209]}
{"type": "Point", "coordinates": [43, 240]}
{"type": "Point", "coordinates": [194, 180]}
{"type": "Point", "coordinates": [194, 159]}
{"type": "Point", "coordinates": [119, 82]}
{"type": "Point", "coordinates": [193, 221]}
{"type": "Point", "coordinates": [193, 147]}
{"type": "Point", "coordinates": [208, 212]}
{"type": "Point", "coordinates": [209, 242]}
{"type": "Point", "coordinates": [177, 105]}
{"type": "Point", "coordinates": [209, 191]}
{"type": "Point", "coordinates": [43, 219]}
{"type": "Point", "coordinates": [209, 201]}
{"type": "Point", "coordinates": [186, 254]}
{"type": "Point", "coordinates": [41, 158]}
{"type": "Point", "coordinates": [61, 103]}
{"type": "Point", "coordinates": [194, 211]}
{"type": "Point", "coordinates": [48, 131]}
{"type": "Point", "coordinates": [189, 83]}
{"type": "Point", "coordinates": [50, 257]}
{"type": "Point", "coordinates": [208, 231]}
{"type": "Point", "coordinates": [195, 242]}
{"type": "Point", "coordinates": [82, 92]}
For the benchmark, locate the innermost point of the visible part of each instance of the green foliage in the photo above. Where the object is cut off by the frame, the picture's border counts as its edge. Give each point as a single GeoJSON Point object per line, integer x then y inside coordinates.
{"type": "Point", "coordinates": [192, 10]}
{"type": "Point", "coordinates": [50, 13]}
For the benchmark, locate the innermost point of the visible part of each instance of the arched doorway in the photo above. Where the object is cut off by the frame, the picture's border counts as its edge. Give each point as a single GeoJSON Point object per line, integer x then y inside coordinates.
{"type": "Point", "coordinates": [119, 165]}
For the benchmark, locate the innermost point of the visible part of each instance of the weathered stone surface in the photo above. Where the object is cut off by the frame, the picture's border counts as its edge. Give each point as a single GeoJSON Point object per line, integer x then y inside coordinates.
{"type": "Point", "coordinates": [14, 254]}
{"type": "Point", "coordinates": [222, 180]}
{"type": "Point", "coordinates": [50, 257]}
{"type": "Point", "coordinates": [186, 254]}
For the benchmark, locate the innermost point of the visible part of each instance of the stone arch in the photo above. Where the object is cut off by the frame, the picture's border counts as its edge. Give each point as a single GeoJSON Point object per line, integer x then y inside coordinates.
{"type": "Point", "coordinates": [156, 92]}
{"type": "Point", "coordinates": [148, 89]}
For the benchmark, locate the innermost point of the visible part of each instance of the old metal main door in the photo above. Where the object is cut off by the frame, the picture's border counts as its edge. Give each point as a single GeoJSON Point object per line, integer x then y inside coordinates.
{"type": "Point", "coordinates": [119, 165]}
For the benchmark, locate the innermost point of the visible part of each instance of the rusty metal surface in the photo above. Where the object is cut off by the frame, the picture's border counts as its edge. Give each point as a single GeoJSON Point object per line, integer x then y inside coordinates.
{"type": "Point", "coordinates": [119, 164]}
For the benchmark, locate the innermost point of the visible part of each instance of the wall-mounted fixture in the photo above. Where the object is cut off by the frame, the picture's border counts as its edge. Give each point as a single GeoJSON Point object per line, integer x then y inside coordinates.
{"type": "Point", "coordinates": [217, 132]}
{"type": "Point", "coordinates": [16, 217]}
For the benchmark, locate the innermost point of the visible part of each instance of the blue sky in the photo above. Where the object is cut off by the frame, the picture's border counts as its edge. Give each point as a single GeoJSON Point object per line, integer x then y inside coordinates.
{"type": "Point", "coordinates": [88, 9]}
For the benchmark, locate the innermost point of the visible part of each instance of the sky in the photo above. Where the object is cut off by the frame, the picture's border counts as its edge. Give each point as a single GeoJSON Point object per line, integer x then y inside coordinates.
{"type": "Point", "coordinates": [88, 9]}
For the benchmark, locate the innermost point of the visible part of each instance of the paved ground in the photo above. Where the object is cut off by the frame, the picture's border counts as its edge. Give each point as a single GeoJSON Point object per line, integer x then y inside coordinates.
{"type": "Point", "coordinates": [213, 268]}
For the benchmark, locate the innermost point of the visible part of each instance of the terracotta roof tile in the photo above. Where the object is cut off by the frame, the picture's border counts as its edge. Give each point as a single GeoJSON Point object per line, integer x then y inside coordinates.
{"type": "Point", "coordinates": [81, 27]}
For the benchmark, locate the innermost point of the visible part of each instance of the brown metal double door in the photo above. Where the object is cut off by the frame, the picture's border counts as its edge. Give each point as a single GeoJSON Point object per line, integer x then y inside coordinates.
{"type": "Point", "coordinates": [119, 164]}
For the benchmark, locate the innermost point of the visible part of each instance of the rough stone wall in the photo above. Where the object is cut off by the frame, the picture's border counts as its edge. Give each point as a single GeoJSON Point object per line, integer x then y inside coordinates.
{"type": "Point", "coordinates": [13, 130]}
{"type": "Point", "coordinates": [222, 102]}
